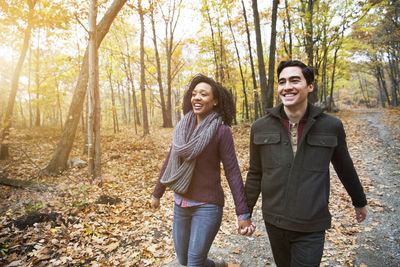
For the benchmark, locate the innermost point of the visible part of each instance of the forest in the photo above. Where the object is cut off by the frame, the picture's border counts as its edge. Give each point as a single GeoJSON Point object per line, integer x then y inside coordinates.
{"type": "Point", "coordinates": [90, 92]}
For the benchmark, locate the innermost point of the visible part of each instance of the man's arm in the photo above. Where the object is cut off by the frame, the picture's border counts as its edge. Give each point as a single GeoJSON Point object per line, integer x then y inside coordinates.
{"type": "Point", "coordinates": [347, 174]}
{"type": "Point", "coordinates": [254, 175]}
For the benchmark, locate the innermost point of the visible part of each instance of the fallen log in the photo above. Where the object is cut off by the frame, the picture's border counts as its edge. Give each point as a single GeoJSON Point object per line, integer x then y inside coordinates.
{"type": "Point", "coordinates": [23, 183]}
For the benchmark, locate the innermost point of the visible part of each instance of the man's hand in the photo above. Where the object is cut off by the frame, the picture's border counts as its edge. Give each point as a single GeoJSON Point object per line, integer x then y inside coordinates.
{"type": "Point", "coordinates": [246, 227]}
{"type": "Point", "coordinates": [155, 203]}
{"type": "Point", "coordinates": [361, 213]}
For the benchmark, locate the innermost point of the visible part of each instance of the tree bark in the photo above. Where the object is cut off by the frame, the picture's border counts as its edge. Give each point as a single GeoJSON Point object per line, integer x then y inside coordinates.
{"type": "Point", "coordinates": [333, 78]}
{"type": "Point", "coordinates": [253, 74]}
{"type": "Point", "coordinates": [380, 76]}
{"type": "Point", "coordinates": [271, 64]}
{"type": "Point", "coordinates": [60, 115]}
{"type": "Point", "coordinates": [307, 7]}
{"type": "Point", "coordinates": [122, 103]}
{"type": "Point", "coordinates": [170, 27]}
{"type": "Point", "coordinates": [246, 105]}
{"type": "Point", "coordinates": [37, 80]}
{"type": "Point", "coordinates": [213, 43]}
{"type": "Point", "coordinates": [260, 57]}
{"type": "Point", "coordinates": [94, 147]}
{"type": "Point", "coordinates": [59, 160]}
{"type": "Point", "coordinates": [158, 62]}
{"type": "Point", "coordinates": [364, 92]}
{"type": "Point", "coordinates": [393, 78]}
{"type": "Point", "coordinates": [290, 52]}
{"type": "Point", "coordinates": [4, 153]}
{"type": "Point", "coordinates": [114, 111]}
{"type": "Point", "coordinates": [146, 130]}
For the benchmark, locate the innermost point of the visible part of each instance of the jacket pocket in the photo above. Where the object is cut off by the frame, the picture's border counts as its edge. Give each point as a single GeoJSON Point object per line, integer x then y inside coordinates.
{"type": "Point", "coordinates": [269, 148]}
{"type": "Point", "coordinates": [319, 151]}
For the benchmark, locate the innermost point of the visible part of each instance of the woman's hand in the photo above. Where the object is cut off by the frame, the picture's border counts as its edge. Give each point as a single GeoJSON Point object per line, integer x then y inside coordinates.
{"type": "Point", "coordinates": [155, 203]}
{"type": "Point", "coordinates": [246, 227]}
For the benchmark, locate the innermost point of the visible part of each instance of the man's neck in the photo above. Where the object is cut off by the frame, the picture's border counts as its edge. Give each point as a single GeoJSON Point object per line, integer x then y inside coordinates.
{"type": "Point", "coordinates": [295, 114]}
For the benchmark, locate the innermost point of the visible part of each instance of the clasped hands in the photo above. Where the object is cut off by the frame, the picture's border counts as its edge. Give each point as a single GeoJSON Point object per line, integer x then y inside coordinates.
{"type": "Point", "coordinates": [245, 227]}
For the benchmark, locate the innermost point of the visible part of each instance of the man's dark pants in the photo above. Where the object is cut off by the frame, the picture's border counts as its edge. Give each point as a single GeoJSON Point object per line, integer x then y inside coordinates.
{"type": "Point", "coordinates": [293, 249]}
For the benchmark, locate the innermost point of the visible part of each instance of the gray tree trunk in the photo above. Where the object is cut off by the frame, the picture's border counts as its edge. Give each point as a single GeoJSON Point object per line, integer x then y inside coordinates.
{"type": "Point", "coordinates": [58, 162]}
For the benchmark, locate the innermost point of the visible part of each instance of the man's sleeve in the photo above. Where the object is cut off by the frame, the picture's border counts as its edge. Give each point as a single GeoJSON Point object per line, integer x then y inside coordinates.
{"type": "Point", "coordinates": [254, 175]}
{"type": "Point", "coordinates": [345, 170]}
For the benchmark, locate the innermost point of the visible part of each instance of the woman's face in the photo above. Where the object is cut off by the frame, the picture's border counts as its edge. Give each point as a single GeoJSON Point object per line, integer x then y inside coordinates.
{"type": "Point", "coordinates": [202, 100]}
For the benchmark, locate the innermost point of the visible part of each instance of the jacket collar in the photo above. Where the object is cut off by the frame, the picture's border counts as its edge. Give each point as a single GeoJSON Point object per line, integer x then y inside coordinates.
{"type": "Point", "coordinates": [313, 111]}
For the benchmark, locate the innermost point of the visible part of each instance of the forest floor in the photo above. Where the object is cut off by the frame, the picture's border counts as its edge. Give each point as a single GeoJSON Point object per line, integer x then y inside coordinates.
{"type": "Point", "coordinates": [69, 220]}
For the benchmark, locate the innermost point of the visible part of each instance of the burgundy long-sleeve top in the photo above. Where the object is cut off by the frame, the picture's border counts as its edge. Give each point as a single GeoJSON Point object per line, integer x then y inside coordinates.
{"type": "Point", "coordinates": [206, 180]}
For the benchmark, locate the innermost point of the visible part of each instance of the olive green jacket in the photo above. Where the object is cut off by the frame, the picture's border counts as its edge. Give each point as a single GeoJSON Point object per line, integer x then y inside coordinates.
{"type": "Point", "coordinates": [295, 189]}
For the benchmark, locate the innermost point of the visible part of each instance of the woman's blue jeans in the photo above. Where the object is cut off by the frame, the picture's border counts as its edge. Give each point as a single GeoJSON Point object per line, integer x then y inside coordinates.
{"type": "Point", "coordinates": [194, 230]}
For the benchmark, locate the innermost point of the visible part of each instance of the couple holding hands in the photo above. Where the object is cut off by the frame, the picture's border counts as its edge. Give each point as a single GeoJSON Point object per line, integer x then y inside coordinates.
{"type": "Point", "coordinates": [291, 148]}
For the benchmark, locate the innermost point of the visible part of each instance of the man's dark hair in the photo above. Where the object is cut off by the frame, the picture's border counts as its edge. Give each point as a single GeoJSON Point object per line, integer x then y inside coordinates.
{"type": "Point", "coordinates": [307, 71]}
{"type": "Point", "coordinates": [225, 106]}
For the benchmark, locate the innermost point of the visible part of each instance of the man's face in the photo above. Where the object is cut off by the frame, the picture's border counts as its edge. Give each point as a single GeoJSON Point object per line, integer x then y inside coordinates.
{"type": "Point", "coordinates": [292, 87]}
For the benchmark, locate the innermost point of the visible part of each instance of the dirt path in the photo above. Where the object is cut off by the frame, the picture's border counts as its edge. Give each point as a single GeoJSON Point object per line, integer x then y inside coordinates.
{"type": "Point", "coordinates": [378, 243]}
{"type": "Point", "coordinates": [381, 245]}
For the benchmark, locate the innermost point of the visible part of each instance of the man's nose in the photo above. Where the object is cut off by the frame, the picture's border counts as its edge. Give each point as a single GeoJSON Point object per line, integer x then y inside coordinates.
{"type": "Point", "coordinates": [287, 85]}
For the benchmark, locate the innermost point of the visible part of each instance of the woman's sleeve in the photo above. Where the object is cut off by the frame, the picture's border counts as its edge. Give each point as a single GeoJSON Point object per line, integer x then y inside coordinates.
{"type": "Point", "coordinates": [160, 188]}
{"type": "Point", "coordinates": [232, 170]}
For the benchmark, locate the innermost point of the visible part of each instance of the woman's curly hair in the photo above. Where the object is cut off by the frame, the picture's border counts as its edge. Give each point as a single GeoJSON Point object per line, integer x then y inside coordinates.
{"type": "Point", "coordinates": [225, 106]}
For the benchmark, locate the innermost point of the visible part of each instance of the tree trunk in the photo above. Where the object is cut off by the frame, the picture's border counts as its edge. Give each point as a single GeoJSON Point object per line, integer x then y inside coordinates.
{"type": "Point", "coordinates": [22, 114]}
{"type": "Point", "coordinates": [4, 153]}
{"type": "Point", "coordinates": [146, 130]}
{"type": "Point", "coordinates": [260, 57]}
{"type": "Point", "coordinates": [94, 153]}
{"type": "Point", "coordinates": [380, 75]}
{"type": "Point", "coordinates": [170, 26]}
{"type": "Point", "coordinates": [271, 64]}
{"type": "Point", "coordinates": [290, 52]}
{"type": "Point", "coordinates": [364, 92]}
{"type": "Point", "coordinates": [60, 115]}
{"type": "Point", "coordinates": [253, 74]}
{"type": "Point", "coordinates": [213, 43]}
{"type": "Point", "coordinates": [37, 80]}
{"type": "Point", "coordinates": [29, 88]}
{"type": "Point", "coordinates": [333, 78]}
{"type": "Point", "coordinates": [136, 118]}
{"type": "Point", "coordinates": [114, 111]}
{"type": "Point", "coordinates": [307, 7]}
{"type": "Point", "coordinates": [61, 154]}
{"type": "Point", "coordinates": [246, 105]}
{"type": "Point", "coordinates": [158, 62]}
{"type": "Point", "coordinates": [393, 78]}
{"type": "Point", "coordinates": [221, 52]}
{"type": "Point", "coordinates": [121, 98]}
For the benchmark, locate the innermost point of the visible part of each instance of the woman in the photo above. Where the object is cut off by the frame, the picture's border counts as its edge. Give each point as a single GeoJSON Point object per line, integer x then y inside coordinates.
{"type": "Point", "coordinates": [192, 170]}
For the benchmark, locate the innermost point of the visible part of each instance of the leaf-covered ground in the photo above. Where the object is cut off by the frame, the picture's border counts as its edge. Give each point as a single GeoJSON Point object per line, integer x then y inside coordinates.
{"type": "Point", "coordinates": [75, 221]}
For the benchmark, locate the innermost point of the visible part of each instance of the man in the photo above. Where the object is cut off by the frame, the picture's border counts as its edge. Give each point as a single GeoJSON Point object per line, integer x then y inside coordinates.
{"type": "Point", "coordinates": [290, 152]}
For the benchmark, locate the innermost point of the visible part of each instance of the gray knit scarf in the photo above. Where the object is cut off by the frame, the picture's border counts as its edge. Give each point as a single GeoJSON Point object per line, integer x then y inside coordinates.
{"type": "Point", "coordinates": [186, 146]}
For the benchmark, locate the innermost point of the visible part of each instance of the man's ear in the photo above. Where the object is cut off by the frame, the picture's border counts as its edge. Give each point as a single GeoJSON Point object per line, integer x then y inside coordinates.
{"type": "Point", "coordinates": [310, 87]}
